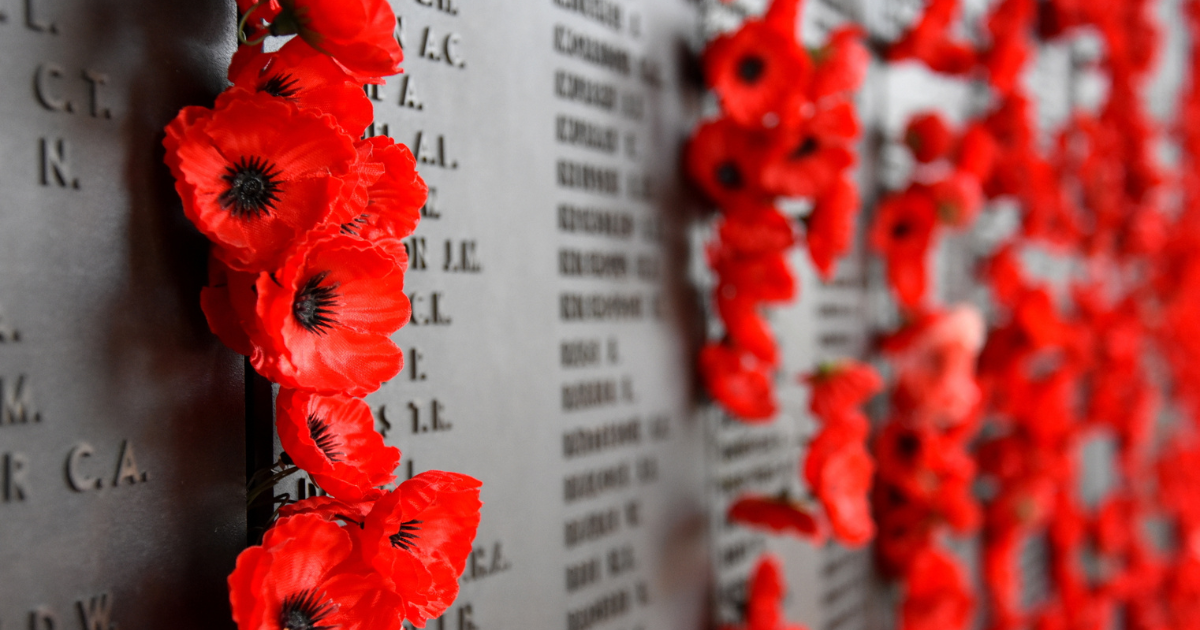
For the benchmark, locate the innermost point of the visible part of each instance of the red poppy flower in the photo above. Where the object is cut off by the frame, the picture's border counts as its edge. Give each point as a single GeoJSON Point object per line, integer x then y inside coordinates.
{"type": "Point", "coordinates": [841, 387]}
{"type": "Point", "coordinates": [844, 491]}
{"type": "Point", "coordinates": [327, 316]}
{"type": "Point", "coordinates": [754, 231]}
{"type": "Point", "coordinates": [216, 300]}
{"type": "Point", "coordinates": [904, 529]}
{"type": "Point", "coordinates": [833, 438]}
{"type": "Point", "coordinates": [303, 76]}
{"type": "Point", "coordinates": [759, 73]}
{"type": "Point", "coordinates": [808, 160]}
{"type": "Point", "coordinates": [959, 198]}
{"type": "Point", "coordinates": [394, 200]}
{"type": "Point", "coordinates": [840, 65]}
{"type": "Point", "coordinates": [929, 136]}
{"type": "Point", "coordinates": [938, 594]}
{"type": "Point", "coordinates": [903, 233]}
{"type": "Point", "coordinates": [725, 161]}
{"type": "Point", "coordinates": [977, 152]}
{"type": "Point", "coordinates": [776, 514]}
{"type": "Point", "coordinates": [747, 329]}
{"type": "Point", "coordinates": [738, 383]}
{"type": "Point", "coordinates": [259, 173]}
{"type": "Point", "coordinates": [936, 382]}
{"type": "Point", "coordinates": [302, 576]}
{"type": "Point", "coordinates": [764, 605]}
{"type": "Point", "coordinates": [359, 34]}
{"type": "Point", "coordinates": [761, 278]}
{"type": "Point", "coordinates": [830, 232]}
{"type": "Point", "coordinates": [333, 439]}
{"type": "Point", "coordinates": [332, 509]}
{"type": "Point", "coordinates": [929, 42]}
{"type": "Point", "coordinates": [418, 537]}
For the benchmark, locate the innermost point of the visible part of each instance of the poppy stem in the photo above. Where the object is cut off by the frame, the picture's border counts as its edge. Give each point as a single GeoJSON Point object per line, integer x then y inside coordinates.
{"type": "Point", "coordinates": [257, 491]}
{"type": "Point", "coordinates": [241, 32]}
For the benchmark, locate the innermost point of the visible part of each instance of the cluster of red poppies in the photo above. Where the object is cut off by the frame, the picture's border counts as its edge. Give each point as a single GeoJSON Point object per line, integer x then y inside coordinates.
{"type": "Point", "coordinates": [946, 189]}
{"type": "Point", "coordinates": [1060, 368]}
{"type": "Point", "coordinates": [787, 130]}
{"type": "Point", "coordinates": [838, 467]}
{"type": "Point", "coordinates": [306, 277]}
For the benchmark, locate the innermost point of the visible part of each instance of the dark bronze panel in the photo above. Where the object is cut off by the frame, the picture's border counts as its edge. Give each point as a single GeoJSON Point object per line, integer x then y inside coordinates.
{"type": "Point", "coordinates": [122, 435]}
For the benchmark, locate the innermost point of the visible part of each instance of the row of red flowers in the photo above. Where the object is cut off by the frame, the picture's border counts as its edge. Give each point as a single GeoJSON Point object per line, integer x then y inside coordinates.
{"type": "Point", "coordinates": [306, 278]}
{"type": "Point", "coordinates": [986, 428]}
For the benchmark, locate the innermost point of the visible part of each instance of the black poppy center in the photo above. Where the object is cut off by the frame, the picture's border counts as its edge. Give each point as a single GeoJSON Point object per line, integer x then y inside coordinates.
{"type": "Point", "coordinates": [405, 538]}
{"type": "Point", "coordinates": [901, 230]}
{"type": "Point", "coordinates": [305, 611]}
{"type": "Point", "coordinates": [281, 85]}
{"type": "Point", "coordinates": [254, 187]}
{"type": "Point", "coordinates": [751, 68]}
{"type": "Point", "coordinates": [314, 304]}
{"type": "Point", "coordinates": [320, 433]}
{"type": "Point", "coordinates": [729, 175]}
{"type": "Point", "coordinates": [806, 148]}
{"type": "Point", "coordinates": [908, 445]}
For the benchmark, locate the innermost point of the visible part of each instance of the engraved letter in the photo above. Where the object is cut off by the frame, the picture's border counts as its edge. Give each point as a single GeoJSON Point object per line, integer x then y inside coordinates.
{"type": "Point", "coordinates": [54, 164]}
{"type": "Point", "coordinates": [79, 481]}
{"type": "Point", "coordinates": [33, 23]}
{"type": "Point", "coordinates": [127, 469]}
{"type": "Point", "coordinates": [414, 358]}
{"type": "Point", "coordinates": [408, 93]}
{"type": "Point", "coordinates": [16, 407]}
{"type": "Point", "coordinates": [42, 619]}
{"type": "Point", "coordinates": [429, 48]}
{"type": "Point", "coordinates": [41, 88]}
{"type": "Point", "coordinates": [96, 615]}
{"type": "Point", "coordinates": [451, 49]}
{"type": "Point", "coordinates": [423, 151]}
{"type": "Point", "coordinates": [430, 209]}
{"type": "Point", "coordinates": [96, 79]}
{"type": "Point", "coordinates": [14, 477]}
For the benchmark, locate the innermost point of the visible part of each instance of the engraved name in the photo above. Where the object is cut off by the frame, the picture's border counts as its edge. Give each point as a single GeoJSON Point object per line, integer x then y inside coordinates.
{"type": "Point", "coordinates": [594, 483]}
{"type": "Point", "coordinates": [594, 222]}
{"type": "Point", "coordinates": [579, 46]}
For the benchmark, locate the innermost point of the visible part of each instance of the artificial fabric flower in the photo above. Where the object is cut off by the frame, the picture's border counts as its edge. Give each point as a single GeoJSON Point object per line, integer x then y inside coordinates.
{"type": "Point", "coordinates": [419, 536]}
{"type": "Point", "coordinates": [830, 227]}
{"type": "Point", "coordinates": [738, 382]}
{"type": "Point", "coordinates": [844, 487]}
{"type": "Point", "coordinates": [759, 71]}
{"type": "Point", "coordinates": [393, 200]}
{"type": "Point", "coordinates": [929, 42]}
{"type": "Point", "coordinates": [303, 76]}
{"type": "Point", "coordinates": [725, 161]}
{"type": "Point", "coordinates": [327, 315]}
{"type": "Point", "coordinates": [746, 328]}
{"type": "Point", "coordinates": [333, 439]}
{"type": "Point", "coordinates": [809, 157]}
{"type": "Point", "coordinates": [303, 576]}
{"type": "Point", "coordinates": [776, 514]}
{"type": "Point", "coordinates": [959, 198]}
{"type": "Point", "coordinates": [358, 34]}
{"type": "Point", "coordinates": [257, 174]}
{"type": "Point", "coordinates": [935, 360]}
{"type": "Point", "coordinates": [938, 595]}
{"type": "Point", "coordinates": [840, 66]}
{"type": "Point", "coordinates": [216, 300]}
{"type": "Point", "coordinates": [765, 598]}
{"type": "Point", "coordinates": [929, 136]}
{"type": "Point", "coordinates": [842, 387]}
{"type": "Point", "coordinates": [903, 233]}
{"type": "Point", "coordinates": [761, 278]}
{"type": "Point", "coordinates": [753, 231]}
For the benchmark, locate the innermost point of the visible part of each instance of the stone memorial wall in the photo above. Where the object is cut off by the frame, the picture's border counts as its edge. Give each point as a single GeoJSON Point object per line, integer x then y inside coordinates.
{"type": "Point", "coordinates": [557, 283]}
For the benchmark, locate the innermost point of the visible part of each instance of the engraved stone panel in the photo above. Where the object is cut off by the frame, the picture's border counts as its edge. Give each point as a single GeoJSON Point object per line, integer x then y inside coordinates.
{"type": "Point", "coordinates": [122, 437]}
